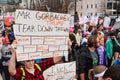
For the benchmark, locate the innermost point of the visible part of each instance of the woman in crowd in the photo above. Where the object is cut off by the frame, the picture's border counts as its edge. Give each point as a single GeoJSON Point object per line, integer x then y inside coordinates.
{"type": "Point", "coordinates": [101, 50]}
{"type": "Point", "coordinates": [73, 40]}
{"type": "Point", "coordinates": [88, 58]}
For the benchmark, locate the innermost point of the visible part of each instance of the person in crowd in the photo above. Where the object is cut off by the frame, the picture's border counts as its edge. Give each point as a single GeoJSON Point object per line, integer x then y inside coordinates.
{"type": "Point", "coordinates": [76, 27]}
{"type": "Point", "coordinates": [112, 73]}
{"type": "Point", "coordinates": [106, 34]}
{"type": "Point", "coordinates": [11, 36]}
{"type": "Point", "coordinates": [1, 77]}
{"type": "Point", "coordinates": [88, 58]}
{"type": "Point", "coordinates": [6, 54]}
{"type": "Point", "coordinates": [79, 38]}
{"type": "Point", "coordinates": [97, 73]}
{"type": "Point", "coordinates": [30, 70]}
{"type": "Point", "coordinates": [91, 29]}
{"type": "Point", "coordinates": [85, 39]}
{"type": "Point", "coordinates": [116, 52]}
{"type": "Point", "coordinates": [73, 40]}
{"type": "Point", "coordinates": [101, 50]}
{"type": "Point", "coordinates": [69, 49]}
{"type": "Point", "coordinates": [110, 44]}
{"type": "Point", "coordinates": [1, 44]}
{"type": "Point", "coordinates": [118, 37]}
{"type": "Point", "coordinates": [116, 60]}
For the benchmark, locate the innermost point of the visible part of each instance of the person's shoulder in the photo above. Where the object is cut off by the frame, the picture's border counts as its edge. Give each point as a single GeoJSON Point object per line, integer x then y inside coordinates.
{"type": "Point", "coordinates": [108, 41]}
{"type": "Point", "coordinates": [84, 50]}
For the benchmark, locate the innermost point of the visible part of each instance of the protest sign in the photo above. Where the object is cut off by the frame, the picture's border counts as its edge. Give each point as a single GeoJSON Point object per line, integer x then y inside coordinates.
{"type": "Point", "coordinates": [41, 34]}
{"type": "Point", "coordinates": [106, 22]}
{"type": "Point", "coordinates": [65, 71]}
{"type": "Point", "coordinates": [83, 20]}
{"type": "Point", "coordinates": [71, 21]}
{"type": "Point", "coordinates": [94, 20]}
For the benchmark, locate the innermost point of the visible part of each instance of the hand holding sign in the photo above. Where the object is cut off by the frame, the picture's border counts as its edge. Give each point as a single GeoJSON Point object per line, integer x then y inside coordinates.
{"type": "Point", "coordinates": [58, 59]}
{"type": "Point", "coordinates": [14, 47]}
{"type": "Point", "coordinates": [14, 44]}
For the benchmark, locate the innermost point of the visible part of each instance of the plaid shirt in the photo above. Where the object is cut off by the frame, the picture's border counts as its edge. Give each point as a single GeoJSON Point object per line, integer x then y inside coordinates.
{"type": "Point", "coordinates": [38, 75]}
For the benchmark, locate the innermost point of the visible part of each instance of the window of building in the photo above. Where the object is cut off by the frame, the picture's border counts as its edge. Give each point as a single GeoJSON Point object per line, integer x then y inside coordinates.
{"type": "Point", "coordinates": [81, 7]}
{"type": "Point", "coordinates": [87, 6]}
{"type": "Point", "coordinates": [114, 6]}
{"type": "Point", "coordinates": [91, 6]}
{"type": "Point", "coordinates": [95, 5]}
{"type": "Point", "coordinates": [80, 14]}
{"type": "Point", "coordinates": [91, 14]}
{"type": "Point", "coordinates": [3, 1]}
{"type": "Point", "coordinates": [109, 5]}
{"type": "Point", "coordinates": [96, 14]}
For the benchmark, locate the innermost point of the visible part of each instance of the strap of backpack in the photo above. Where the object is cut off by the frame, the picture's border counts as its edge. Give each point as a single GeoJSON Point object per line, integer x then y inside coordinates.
{"type": "Point", "coordinates": [38, 67]}
{"type": "Point", "coordinates": [23, 73]}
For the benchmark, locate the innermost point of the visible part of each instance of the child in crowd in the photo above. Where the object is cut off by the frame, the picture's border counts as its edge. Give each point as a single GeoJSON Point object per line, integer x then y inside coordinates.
{"type": "Point", "coordinates": [1, 44]}
{"type": "Point", "coordinates": [6, 54]}
{"type": "Point", "coordinates": [116, 60]}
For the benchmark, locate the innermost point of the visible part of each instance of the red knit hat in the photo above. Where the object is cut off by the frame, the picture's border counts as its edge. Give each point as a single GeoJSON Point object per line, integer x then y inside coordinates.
{"type": "Point", "coordinates": [6, 41]}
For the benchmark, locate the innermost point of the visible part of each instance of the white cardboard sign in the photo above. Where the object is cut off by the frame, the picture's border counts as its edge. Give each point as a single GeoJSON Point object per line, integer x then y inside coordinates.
{"type": "Point", "coordinates": [65, 71]}
{"type": "Point", "coordinates": [41, 34]}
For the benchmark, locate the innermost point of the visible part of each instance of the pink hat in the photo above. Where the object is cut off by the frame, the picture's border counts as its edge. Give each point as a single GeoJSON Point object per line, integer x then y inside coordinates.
{"type": "Point", "coordinates": [71, 30]}
{"type": "Point", "coordinates": [109, 28]}
{"type": "Point", "coordinates": [86, 33]}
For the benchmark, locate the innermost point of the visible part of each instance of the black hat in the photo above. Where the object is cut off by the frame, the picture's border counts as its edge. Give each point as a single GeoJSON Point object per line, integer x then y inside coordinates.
{"type": "Point", "coordinates": [112, 34]}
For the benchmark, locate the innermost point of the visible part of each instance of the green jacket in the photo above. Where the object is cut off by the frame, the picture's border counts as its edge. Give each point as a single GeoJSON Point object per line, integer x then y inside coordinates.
{"type": "Point", "coordinates": [109, 48]}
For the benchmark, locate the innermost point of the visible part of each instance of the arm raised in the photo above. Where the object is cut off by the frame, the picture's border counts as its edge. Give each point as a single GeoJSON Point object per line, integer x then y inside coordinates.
{"type": "Point", "coordinates": [12, 63]}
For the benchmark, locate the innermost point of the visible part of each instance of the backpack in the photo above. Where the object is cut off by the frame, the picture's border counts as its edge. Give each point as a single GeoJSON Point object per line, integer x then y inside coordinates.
{"type": "Point", "coordinates": [23, 71]}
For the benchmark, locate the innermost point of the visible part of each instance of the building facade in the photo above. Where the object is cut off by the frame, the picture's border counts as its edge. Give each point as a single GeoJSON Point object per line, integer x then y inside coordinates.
{"type": "Point", "coordinates": [93, 7]}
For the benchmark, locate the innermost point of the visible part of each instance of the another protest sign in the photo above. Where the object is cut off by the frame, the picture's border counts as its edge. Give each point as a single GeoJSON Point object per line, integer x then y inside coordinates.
{"type": "Point", "coordinates": [65, 71]}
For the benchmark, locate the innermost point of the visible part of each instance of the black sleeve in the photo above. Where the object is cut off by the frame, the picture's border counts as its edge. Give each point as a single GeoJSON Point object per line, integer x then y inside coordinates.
{"type": "Point", "coordinates": [82, 63]}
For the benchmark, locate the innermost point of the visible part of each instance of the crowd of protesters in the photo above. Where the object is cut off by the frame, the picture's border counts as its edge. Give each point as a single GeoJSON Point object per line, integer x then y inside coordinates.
{"type": "Point", "coordinates": [90, 45]}
{"type": "Point", "coordinates": [6, 39]}
{"type": "Point", "coordinates": [8, 63]}
{"type": "Point", "coordinates": [98, 45]}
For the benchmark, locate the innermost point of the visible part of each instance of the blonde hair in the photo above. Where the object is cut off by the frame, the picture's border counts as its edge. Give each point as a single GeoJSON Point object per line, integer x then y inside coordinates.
{"type": "Point", "coordinates": [99, 35]}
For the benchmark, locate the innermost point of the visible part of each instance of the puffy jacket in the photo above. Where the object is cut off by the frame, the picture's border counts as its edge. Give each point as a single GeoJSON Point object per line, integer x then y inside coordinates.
{"type": "Point", "coordinates": [85, 61]}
